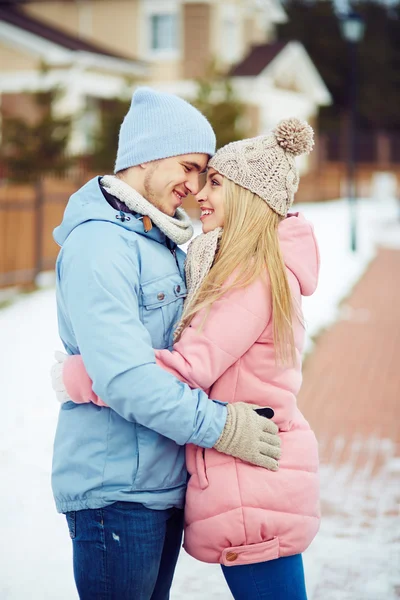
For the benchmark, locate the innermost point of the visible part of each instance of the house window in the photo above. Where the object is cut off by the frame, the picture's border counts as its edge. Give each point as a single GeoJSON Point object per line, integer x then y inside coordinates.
{"type": "Point", "coordinates": [164, 32]}
{"type": "Point", "coordinates": [230, 40]}
{"type": "Point", "coordinates": [231, 33]}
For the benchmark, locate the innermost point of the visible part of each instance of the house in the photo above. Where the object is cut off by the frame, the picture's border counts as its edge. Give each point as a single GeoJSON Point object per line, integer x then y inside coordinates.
{"type": "Point", "coordinates": [86, 70]}
{"type": "Point", "coordinates": [97, 49]}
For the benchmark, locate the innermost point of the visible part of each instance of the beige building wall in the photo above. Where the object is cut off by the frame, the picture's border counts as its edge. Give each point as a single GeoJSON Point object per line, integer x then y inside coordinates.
{"type": "Point", "coordinates": [13, 60]}
{"type": "Point", "coordinates": [109, 23]}
{"type": "Point", "coordinates": [253, 34]}
{"type": "Point", "coordinates": [64, 15]}
{"type": "Point", "coordinates": [164, 71]}
{"type": "Point", "coordinates": [115, 25]}
{"type": "Point", "coordinates": [218, 33]}
{"type": "Point", "coordinates": [236, 25]}
{"type": "Point", "coordinates": [252, 120]}
{"type": "Point", "coordinates": [196, 39]}
{"type": "Point", "coordinates": [248, 27]}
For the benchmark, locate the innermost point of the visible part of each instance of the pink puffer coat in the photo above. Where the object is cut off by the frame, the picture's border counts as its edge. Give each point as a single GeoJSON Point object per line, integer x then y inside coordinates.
{"type": "Point", "coordinates": [237, 513]}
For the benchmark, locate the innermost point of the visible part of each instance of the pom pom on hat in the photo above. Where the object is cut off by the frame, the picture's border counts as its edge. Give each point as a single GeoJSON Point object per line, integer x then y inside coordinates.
{"type": "Point", "coordinates": [295, 136]}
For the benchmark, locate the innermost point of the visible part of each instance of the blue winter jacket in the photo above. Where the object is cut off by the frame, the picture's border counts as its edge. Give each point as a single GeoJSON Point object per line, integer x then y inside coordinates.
{"type": "Point", "coordinates": [119, 293]}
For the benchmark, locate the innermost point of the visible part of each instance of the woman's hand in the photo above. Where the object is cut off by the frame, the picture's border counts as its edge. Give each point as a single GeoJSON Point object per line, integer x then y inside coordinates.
{"type": "Point", "coordinates": [250, 437]}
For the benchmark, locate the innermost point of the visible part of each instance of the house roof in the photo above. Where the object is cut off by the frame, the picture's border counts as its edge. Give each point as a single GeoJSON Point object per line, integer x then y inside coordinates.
{"type": "Point", "coordinates": [258, 58]}
{"type": "Point", "coordinates": [13, 16]}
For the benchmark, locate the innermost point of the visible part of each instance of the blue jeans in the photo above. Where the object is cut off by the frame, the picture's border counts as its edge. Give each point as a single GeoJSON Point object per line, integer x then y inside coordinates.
{"type": "Point", "coordinates": [125, 551]}
{"type": "Point", "coordinates": [280, 579]}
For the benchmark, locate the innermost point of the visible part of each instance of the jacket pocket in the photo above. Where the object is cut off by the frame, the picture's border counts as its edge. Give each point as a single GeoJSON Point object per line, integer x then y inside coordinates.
{"type": "Point", "coordinates": [161, 303]}
{"type": "Point", "coordinates": [152, 318]}
{"type": "Point", "coordinates": [201, 468]}
{"type": "Point", "coordinates": [71, 522]}
{"type": "Point", "coordinates": [161, 462]}
{"type": "Point", "coordinates": [190, 453]}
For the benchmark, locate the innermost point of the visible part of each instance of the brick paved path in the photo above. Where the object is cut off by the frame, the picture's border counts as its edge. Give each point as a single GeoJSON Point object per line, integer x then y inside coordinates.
{"type": "Point", "coordinates": [351, 396]}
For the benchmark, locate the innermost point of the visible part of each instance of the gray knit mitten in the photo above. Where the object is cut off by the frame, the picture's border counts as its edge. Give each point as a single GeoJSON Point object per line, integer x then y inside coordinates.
{"type": "Point", "coordinates": [250, 437]}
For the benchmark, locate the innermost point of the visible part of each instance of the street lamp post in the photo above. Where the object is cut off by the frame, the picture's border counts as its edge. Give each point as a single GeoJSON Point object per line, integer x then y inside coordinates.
{"type": "Point", "coordinates": [352, 28]}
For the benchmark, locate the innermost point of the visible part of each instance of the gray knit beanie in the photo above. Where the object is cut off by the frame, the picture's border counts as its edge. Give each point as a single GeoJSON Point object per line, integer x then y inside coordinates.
{"type": "Point", "coordinates": [265, 165]}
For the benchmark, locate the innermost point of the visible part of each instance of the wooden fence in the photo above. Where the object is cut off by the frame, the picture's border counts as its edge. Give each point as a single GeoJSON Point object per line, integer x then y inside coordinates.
{"type": "Point", "coordinates": [28, 215]}
{"type": "Point", "coordinates": [328, 181]}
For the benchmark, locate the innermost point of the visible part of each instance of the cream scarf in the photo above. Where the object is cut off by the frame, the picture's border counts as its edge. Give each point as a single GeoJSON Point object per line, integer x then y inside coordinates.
{"type": "Point", "coordinates": [199, 260]}
{"type": "Point", "coordinates": [178, 228]}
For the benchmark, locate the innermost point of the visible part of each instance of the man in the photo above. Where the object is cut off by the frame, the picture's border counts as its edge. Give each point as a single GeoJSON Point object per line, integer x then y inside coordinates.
{"type": "Point", "coordinates": [119, 473]}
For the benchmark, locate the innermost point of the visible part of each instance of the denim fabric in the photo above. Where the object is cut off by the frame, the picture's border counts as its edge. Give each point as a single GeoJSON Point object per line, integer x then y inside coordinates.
{"type": "Point", "coordinates": [280, 579]}
{"type": "Point", "coordinates": [125, 551]}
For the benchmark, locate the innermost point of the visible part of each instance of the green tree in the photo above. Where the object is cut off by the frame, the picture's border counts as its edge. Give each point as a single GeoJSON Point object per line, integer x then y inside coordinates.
{"type": "Point", "coordinates": [316, 25]}
{"type": "Point", "coordinates": [31, 149]}
{"type": "Point", "coordinates": [379, 59]}
{"type": "Point", "coordinates": [217, 100]}
{"type": "Point", "coordinates": [105, 141]}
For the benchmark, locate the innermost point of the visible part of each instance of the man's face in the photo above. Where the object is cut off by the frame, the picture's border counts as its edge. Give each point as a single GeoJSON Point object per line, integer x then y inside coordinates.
{"type": "Point", "coordinates": [168, 181]}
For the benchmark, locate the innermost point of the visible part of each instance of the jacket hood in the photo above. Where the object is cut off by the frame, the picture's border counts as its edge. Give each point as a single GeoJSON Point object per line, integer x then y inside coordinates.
{"type": "Point", "coordinates": [89, 204]}
{"type": "Point", "coordinates": [300, 251]}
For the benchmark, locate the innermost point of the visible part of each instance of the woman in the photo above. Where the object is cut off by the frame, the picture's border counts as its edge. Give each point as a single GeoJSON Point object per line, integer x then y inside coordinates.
{"type": "Point", "coordinates": [241, 336]}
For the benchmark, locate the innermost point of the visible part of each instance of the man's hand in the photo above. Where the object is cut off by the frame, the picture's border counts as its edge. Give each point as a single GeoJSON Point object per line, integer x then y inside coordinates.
{"type": "Point", "coordinates": [56, 373]}
{"type": "Point", "coordinates": [250, 437]}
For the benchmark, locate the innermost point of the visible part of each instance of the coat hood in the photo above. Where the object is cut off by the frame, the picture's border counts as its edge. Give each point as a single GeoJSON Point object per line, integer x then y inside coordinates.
{"type": "Point", "coordinates": [89, 204]}
{"type": "Point", "coordinates": [300, 251]}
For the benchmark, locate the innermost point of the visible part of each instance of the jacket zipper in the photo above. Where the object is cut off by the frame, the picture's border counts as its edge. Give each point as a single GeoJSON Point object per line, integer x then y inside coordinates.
{"type": "Point", "coordinates": [173, 251]}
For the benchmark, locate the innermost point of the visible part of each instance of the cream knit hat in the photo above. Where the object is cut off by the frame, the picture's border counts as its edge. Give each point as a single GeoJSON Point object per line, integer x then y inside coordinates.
{"type": "Point", "coordinates": [265, 165]}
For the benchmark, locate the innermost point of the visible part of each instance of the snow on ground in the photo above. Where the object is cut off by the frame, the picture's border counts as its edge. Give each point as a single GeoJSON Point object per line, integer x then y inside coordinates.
{"type": "Point", "coordinates": [356, 555]}
{"type": "Point", "coordinates": [35, 555]}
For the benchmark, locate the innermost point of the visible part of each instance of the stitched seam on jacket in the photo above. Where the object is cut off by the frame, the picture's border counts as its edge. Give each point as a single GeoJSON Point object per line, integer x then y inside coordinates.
{"type": "Point", "coordinates": [247, 310]}
{"type": "Point", "coordinates": [106, 456]}
{"type": "Point", "coordinates": [225, 351]}
{"type": "Point", "coordinates": [241, 502]}
{"type": "Point", "coordinates": [237, 367]}
{"type": "Point", "coordinates": [272, 510]}
{"type": "Point", "coordinates": [283, 468]}
{"type": "Point", "coordinates": [221, 349]}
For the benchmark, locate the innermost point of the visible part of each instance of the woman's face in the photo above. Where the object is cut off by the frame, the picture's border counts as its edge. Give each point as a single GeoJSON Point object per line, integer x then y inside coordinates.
{"type": "Point", "coordinates": [210, 199]}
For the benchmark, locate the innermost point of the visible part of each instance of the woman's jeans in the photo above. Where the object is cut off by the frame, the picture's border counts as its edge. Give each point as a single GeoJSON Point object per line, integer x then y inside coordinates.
{"type": "Point", "coordinates": [280, 579]}
{"type": "Point", "coordinates": [125, 551]}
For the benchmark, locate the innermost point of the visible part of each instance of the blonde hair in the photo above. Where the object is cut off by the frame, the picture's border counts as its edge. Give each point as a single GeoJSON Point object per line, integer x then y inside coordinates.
{"type": "Point", "coordinates": [249, 247]}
